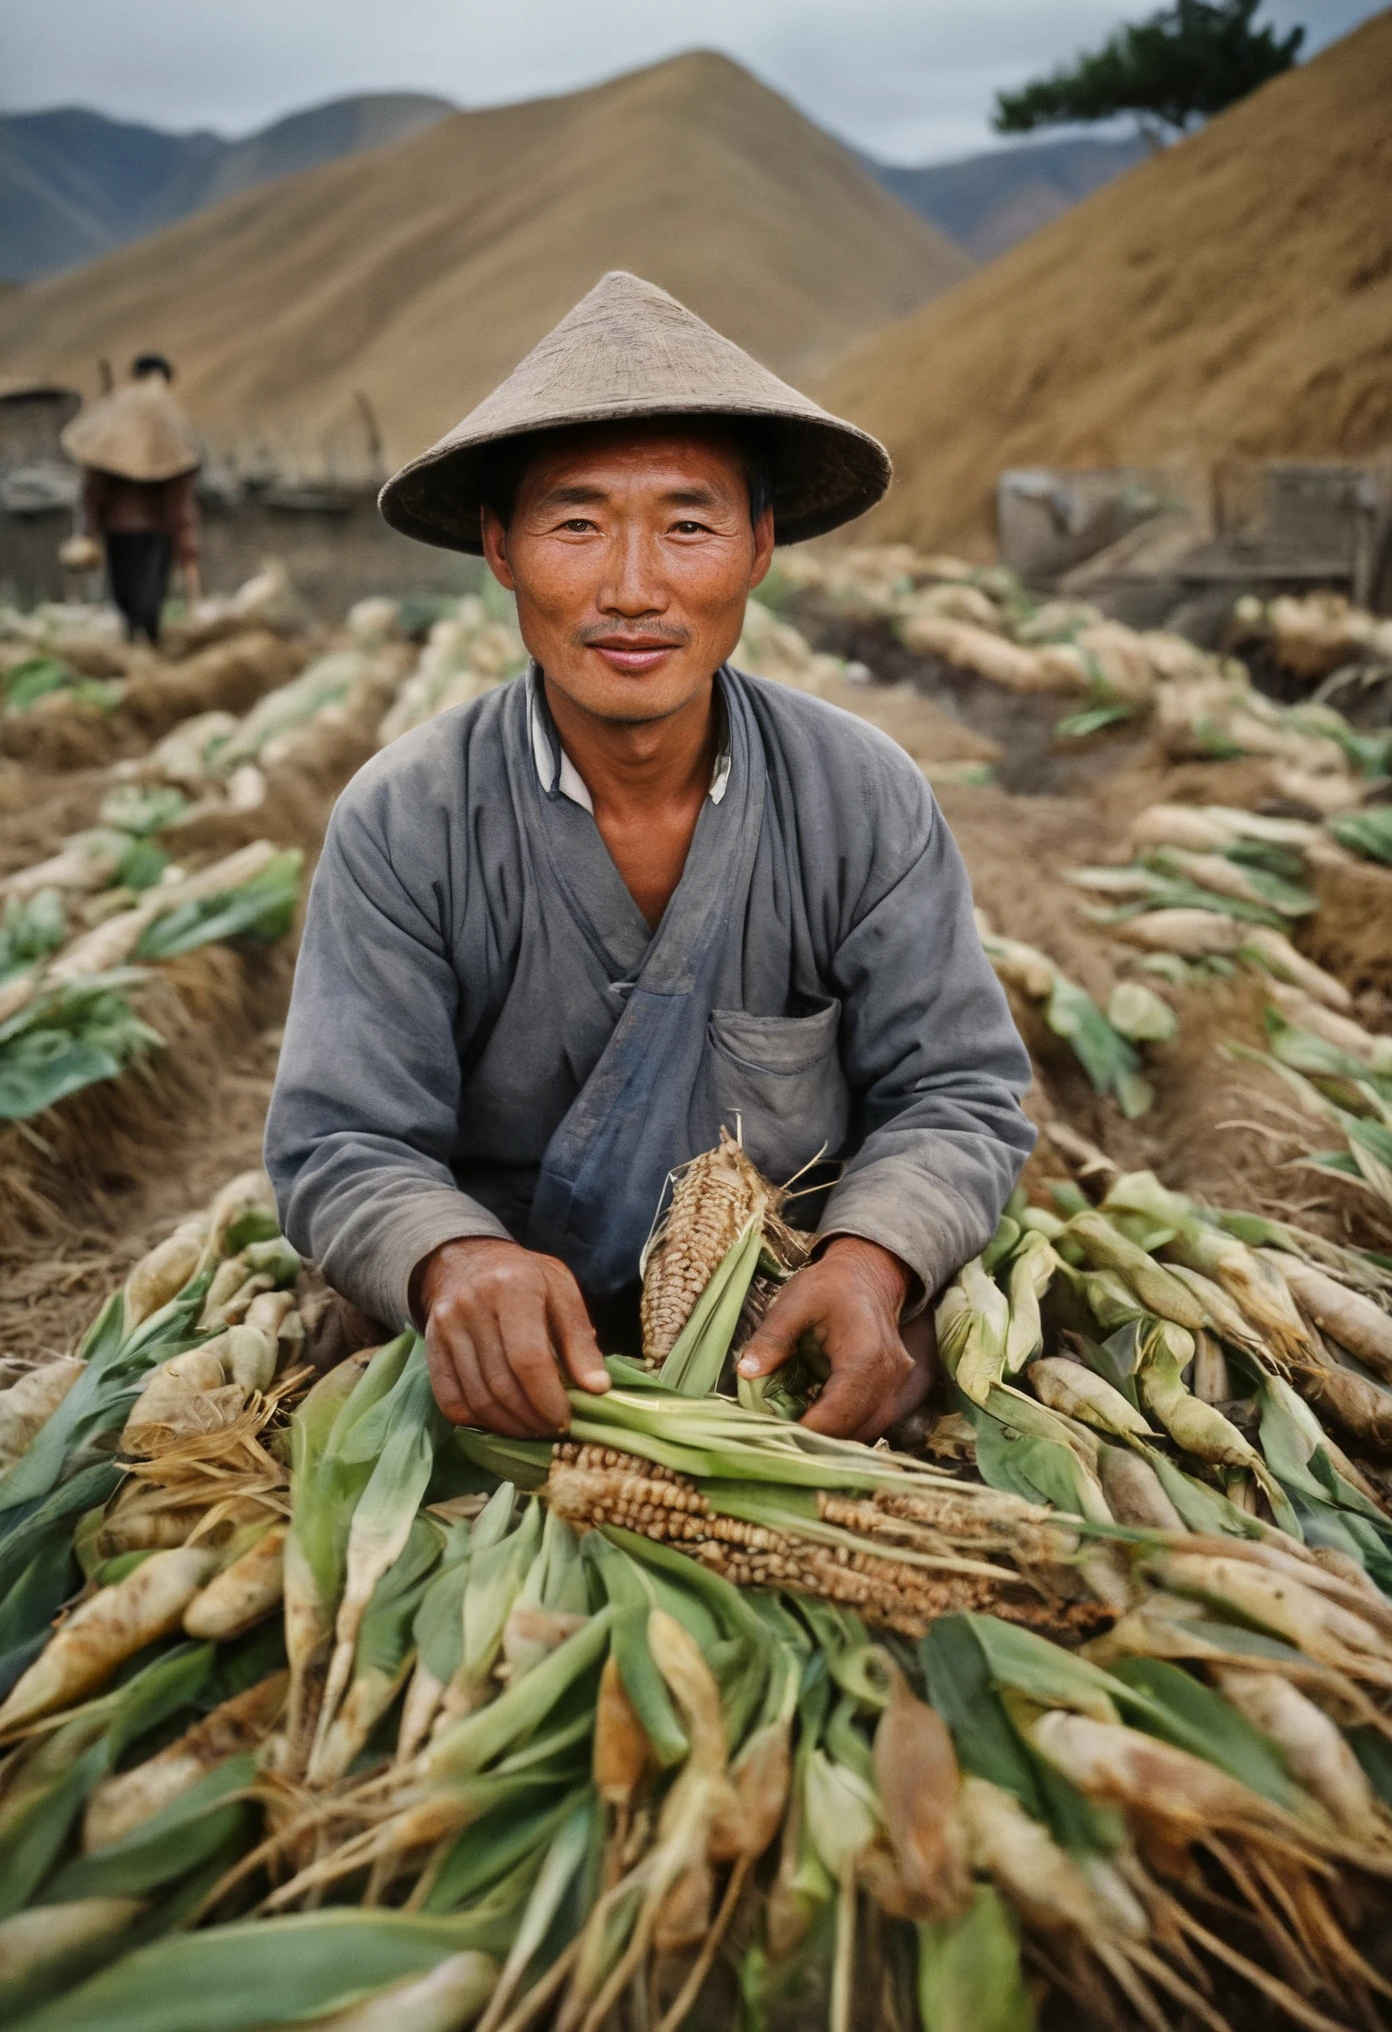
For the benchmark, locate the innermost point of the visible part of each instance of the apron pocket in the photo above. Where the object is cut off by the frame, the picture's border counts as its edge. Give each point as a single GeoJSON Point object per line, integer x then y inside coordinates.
{"type": "Point", "coordinates": [781, 1075]}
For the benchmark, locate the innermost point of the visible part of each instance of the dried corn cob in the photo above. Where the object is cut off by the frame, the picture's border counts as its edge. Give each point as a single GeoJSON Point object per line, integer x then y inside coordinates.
{"type": "Point", "coordinates": [896, 1570]}
{"type": "Point", "coordinates": [713, 1200]}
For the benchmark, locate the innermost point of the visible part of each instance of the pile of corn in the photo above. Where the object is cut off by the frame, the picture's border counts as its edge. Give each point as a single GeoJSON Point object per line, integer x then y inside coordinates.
{"type": "Point", "coordinates": [1316, 634]}
{"type": "Point", "coordinates": [1212, 884]}
{"type": "Point", "coordinates": [1211, 890]}
{"type": "Point", "coordinates": [352, 1718]}
{"type": "Point", "coordinates": [466, 653]}
{"type": "Point", "coordinates": [266, 600]}
{"type": "Point", "coordinates": [981, 619]}
{"type": "Point", "coordinates": [1104, 1042]}
{"type": "Point", "coordinates": [1315, 756]}
{"type": "Point", "coordinates": [1101, 1313]}
{"type": "Point", "coordinates": [80, 932]}
{"type": "Point", "coordinates": [222, 762]}
{"type": "Point", "coordinates": [64, 630]}
{"type": "Point", "coordinates": [773, 648]}
{"type": "Point", "coordinates": [69, 651]}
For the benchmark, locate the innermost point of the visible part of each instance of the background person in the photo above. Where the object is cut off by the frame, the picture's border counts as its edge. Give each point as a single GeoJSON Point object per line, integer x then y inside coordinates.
{"type": "Point", "coordinates": [139, 458]}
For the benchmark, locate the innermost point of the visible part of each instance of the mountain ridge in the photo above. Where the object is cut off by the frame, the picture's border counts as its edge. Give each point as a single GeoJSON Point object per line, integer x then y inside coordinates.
{"type": "Point", "coordinates": [421, 273]}
{"type": "Point", "coordinates": [988, 201]}
{"type": "Point", "coordinates": [76, 184]}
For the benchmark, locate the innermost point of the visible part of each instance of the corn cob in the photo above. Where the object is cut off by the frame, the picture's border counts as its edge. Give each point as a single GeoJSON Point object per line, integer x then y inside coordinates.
{"type": "Point", "coordinates": [713, 1200]}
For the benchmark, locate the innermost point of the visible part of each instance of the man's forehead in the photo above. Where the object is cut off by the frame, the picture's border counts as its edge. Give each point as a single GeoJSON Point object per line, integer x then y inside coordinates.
{"type": "Point", "coordinates": [672, 457]}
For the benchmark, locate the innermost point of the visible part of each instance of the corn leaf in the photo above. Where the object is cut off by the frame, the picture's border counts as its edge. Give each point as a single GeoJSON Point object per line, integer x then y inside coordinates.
{"type": "Point", "coordinates": [260, 1972]}
{"type": "Point", "coordinates": [526, 1462]}
{"type": "Point", "coordinates": [199, 1823]}
{"type": "Point", "coordinates": [1367, 832]}
{"type": "Point", "coordinates": [698, 1355]}
{"type": "Point", "coordinates": [1182, 1711]}
{"type": "Point", "coordinates": [1030, 1664]}
{"type": "Point", "coordinates": [475, 1740]}
{"type": "Point", "coordinates": [493, 1846]}
{"type": "Point", "coordinates": [969, 1973]}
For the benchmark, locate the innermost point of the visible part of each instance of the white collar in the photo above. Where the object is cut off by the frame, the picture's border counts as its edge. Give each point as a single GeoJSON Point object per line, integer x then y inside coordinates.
{"type": "Point", "coordinates": [558, 774]}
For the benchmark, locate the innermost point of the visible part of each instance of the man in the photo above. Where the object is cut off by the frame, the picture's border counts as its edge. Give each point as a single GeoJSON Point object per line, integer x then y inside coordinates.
{"type": "Point", "coordinates": [563, 934]}
{"type": "Point", "coordinates": [140, 458]}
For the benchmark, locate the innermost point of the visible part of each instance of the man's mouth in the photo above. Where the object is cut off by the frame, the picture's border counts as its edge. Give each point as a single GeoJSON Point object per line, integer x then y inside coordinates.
{"type": "Point", "coordinates": [633, 655]}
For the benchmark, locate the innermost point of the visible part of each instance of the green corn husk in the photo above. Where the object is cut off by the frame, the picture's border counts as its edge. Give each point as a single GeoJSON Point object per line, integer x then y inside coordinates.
{"type": "Point", "coordinates": [80, 1753]}
{"type": "Point", "coordinates": [1157, 1288]}
{"type": "Point", "coordinates": [497, 1572]}
{"type": "Point", "coordinates": [263, 1972]}
{"type": "Point", "coordinates": [1031, 1272]}
{"type": "Point", "coordinates": [381, 1653]}
{"type": "Point", "coordinates": [67, 1037]}
{"type": "Point", "coordinates": [1367, 833]}
{"type": "Point", "coordinates": [476, 1739]}
{"type": "Point", "coordinates": [326, 1485]}
{"type": "Point", "coordinates": [403, 1429]}
{"type": "Point", "coordinates": [697, 1357]}
{"type": "Point", "coordinates": [983, 1358]}
{"type": "Point", "coordinates": [447, 1999]}
{"type": "Point", "coordinates": [206, 1821]}
{"type": "Point", "coordinates": [565, 1858]}
{"type": "Point", "coordinates": [970, 1976]}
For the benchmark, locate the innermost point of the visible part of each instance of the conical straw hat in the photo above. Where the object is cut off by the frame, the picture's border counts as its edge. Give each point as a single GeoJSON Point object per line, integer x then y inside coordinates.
{"type": "Point", "coordinates": [140, 433]}
{"type": "Point", "coordinates": [629, 349]}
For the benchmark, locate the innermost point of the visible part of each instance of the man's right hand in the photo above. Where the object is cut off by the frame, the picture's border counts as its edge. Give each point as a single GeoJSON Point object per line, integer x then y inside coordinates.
{"type": "Point", "coordinates": [503, 1328]}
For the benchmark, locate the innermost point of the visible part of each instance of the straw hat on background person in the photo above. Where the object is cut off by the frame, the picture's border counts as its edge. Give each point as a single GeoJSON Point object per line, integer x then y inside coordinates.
{"type": "Point", "coordinates": [629, 350]}
{"type": "Point", "coordinates": [139, 456]}
{"type": "Point", "coordinates": [139, 433]}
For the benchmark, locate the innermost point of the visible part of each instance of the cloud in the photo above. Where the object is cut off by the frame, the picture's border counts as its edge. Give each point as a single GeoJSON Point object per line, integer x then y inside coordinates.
{"type": "Point", "coordinates": [912, 80]}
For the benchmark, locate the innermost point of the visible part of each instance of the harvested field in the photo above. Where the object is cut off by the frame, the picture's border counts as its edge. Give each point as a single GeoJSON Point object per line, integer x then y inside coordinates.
{"type": "Point", "coordinates": [82, 1163]}
{"type": "Point", "coordinates": [1067, 1492]}
{"type": "Point", "coordinates": [58, 733]}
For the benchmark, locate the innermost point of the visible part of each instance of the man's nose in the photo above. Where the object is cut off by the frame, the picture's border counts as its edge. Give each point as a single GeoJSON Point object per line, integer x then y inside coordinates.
{"type": "Point", "coordinates": [633, 580]}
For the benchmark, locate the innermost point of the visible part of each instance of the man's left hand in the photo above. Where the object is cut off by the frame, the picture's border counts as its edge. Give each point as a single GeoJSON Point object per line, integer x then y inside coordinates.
{"type": "Point", "coordinates": [848, 1302]}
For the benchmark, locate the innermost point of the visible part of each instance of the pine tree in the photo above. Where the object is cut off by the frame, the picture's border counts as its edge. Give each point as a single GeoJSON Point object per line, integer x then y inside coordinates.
{"type": "Point", "coordinates": [1185, 63]}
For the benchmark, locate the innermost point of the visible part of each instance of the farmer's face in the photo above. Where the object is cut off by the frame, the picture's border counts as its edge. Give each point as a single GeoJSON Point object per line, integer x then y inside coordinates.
{"type": "Point", "coordinates": [632, 554]}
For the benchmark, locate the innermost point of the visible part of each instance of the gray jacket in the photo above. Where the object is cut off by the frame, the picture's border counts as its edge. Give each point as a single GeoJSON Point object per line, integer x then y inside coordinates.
{"type": "Point", "coordinates": [486, 1039]}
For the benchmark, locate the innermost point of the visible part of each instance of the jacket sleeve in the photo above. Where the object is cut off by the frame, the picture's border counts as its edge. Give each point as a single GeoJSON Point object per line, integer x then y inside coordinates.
{"type": "Point", "coordinates": [93, 503]}
{"type": "Point", "coordinates": [932, 1053]}
{"type": "Point", "coordinates": [181, 517]}
{"type": "Point", "coordinates": [363, 1117]}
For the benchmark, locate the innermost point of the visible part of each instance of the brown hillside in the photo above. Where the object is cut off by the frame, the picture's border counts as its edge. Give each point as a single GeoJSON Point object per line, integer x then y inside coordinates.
{"type": "Point", "coordinates": [1231, 295]}
{"type": "Point", "coordinates": [420, 273]}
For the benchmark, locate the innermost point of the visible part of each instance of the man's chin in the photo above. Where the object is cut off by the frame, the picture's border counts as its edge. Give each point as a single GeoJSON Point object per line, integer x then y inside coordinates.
{"type": "Point", "coordinates": [632, 701]}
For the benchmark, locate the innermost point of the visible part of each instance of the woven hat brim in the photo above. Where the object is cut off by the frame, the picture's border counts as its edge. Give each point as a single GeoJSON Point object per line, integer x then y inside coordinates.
{"type": "Point", "coordinates": [825, 472]}
{"type": "Point", "coordinates": [137, 433]}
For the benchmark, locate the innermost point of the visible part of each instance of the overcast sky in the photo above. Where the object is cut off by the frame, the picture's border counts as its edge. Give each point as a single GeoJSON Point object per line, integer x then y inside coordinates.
{"type": "Point", "coordinates": [909, 80]}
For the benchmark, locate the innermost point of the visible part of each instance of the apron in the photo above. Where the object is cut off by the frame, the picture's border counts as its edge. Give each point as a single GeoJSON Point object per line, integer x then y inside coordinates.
{"type": "Point", "coordinates": [654, 1049]}
{"type": "Point", "coordinates": [649, 1105]}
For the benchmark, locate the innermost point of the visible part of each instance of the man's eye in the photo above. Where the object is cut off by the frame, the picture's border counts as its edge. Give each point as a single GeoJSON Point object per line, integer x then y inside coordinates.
{"type": "Point", "coordinates": [578, 524]}
{"type": "Point", "coordinates": [689, 529]}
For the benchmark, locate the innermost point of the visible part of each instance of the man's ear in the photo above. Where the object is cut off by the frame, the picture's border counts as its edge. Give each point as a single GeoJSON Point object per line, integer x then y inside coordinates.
{"type": "Point", "coordinates": [763, 548]}
{"type": "Point", "coordinates": [495, 550]}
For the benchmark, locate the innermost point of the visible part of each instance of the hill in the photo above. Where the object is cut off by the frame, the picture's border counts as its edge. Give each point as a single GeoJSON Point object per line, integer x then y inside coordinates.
{"type": "Point", "coordinates": [989, 201]}
{"type": "Point", "coordinates": [74, 184]}
{"type": "Point", "coordinates": [1233, 294]}
{"type": "Point", "coordinates": [420, 273]}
